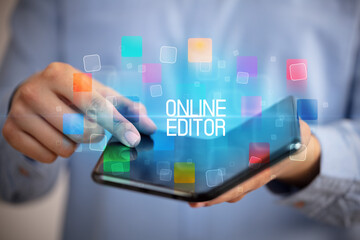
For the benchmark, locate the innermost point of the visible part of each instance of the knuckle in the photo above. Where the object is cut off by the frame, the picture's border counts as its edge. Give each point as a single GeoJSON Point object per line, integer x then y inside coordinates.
{"type": "Point", "coordinates": [28, 92]}
{"type": "Point", "coordinates": [53, 70]}
{"type": "Point", "coordinates": [11, 134]}
{"type": "Point", "coordinates": [8, 130]}
{"type": "Point", "coordinates": [16, 112]}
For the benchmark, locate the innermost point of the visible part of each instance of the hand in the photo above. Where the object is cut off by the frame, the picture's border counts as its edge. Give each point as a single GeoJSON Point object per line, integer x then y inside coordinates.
{"type": "Point", "coordinates": [297, 173]}
{"type": "Point", "coordinates": [35, 125]}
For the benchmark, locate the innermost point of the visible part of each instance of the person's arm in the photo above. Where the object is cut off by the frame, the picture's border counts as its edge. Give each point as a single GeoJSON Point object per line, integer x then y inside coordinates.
{"type": "Point", "coordinates": [32, 46]}
{"type": "Point", "coordinates": [334, 196]}
{"type": "Point", "coordinates": [326, 186]}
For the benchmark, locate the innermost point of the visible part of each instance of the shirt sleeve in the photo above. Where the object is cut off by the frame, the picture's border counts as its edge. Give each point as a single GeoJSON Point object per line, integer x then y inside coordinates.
{"type": "Point", "coordinates": [32, 47]}
{"type": "Point", "coordinates": [334, 195]}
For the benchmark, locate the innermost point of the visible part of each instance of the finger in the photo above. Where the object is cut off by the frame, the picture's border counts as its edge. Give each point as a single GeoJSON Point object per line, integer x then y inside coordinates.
{"type": "Point", "coordinates": [234, 200]}
{"type": "Point", "coordinates": [196, 204]}
{"type": "Point", "coordinates": [135, 112]}
{"type": "Point", "coordinates": [106, 114]}
{"type": "Point", "coordinates": [42, 131]}
{"type": "Point", "coordinates": [26, 144]}
{"type": "Point", "coordinates": [53, 109]}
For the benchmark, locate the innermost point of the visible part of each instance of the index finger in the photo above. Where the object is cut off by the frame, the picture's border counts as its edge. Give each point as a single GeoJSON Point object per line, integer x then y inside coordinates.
{"type": "Point", "coordinates": [78, 88]}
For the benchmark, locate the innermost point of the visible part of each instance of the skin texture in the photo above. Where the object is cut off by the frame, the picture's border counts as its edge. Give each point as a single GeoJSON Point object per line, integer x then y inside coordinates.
{"type": "Point", "coordinates": [297, 173]}
{"type": "Point", "coordinates": [34, 124]}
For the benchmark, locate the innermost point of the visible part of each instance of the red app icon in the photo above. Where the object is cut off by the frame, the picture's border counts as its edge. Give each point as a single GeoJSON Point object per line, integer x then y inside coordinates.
{"type": "Point", "coordinates": [259, 153]}
{"type": "Point", "coordinates": [296, 69]}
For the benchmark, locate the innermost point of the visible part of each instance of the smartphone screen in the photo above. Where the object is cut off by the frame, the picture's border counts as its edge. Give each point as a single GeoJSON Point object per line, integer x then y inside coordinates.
{"type": "Point", "coordinates": [196, 169]}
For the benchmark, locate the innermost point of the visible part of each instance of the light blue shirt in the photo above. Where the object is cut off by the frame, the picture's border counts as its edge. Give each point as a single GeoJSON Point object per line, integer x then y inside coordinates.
{"type": "Point", "coordinates": [326, 33]}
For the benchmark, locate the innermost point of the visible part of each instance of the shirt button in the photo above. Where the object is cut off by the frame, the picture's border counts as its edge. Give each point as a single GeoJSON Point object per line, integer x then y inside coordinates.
{"type": "Point", "coordinates": [299, 204]}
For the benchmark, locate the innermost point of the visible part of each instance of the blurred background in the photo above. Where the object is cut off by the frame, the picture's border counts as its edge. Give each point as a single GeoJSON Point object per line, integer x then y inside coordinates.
{"type": "Point", "coordinates": [42, 218]}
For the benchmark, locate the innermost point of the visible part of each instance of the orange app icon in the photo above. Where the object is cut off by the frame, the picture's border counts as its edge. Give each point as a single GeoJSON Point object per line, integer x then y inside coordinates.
{"type": "Point", "coordinates": [199, 50]}
{"type": "Point", "coordinates": [82, 82]}
{"type": "Point", "coordinates": [184, 172]}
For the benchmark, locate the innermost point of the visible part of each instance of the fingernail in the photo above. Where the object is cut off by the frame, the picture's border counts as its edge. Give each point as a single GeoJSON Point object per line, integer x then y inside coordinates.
{"type": "Point", "coordinates": [199, 205]}
{"type": "Point", "coordinates": [132, 138]}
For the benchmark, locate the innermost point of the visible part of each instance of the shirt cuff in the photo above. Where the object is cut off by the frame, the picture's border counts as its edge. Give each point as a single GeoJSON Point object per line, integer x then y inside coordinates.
{"type": "Point", "coordinates": [321, 199]}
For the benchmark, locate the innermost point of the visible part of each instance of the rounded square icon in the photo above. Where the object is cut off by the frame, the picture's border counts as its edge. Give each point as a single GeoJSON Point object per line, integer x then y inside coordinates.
{"type": "Point", "coordinates": [307, 109]}
{"type": "Point", "coordinates": [247, 64]}
{"type": "Point", "coordinates": [214, 177]}
{"type": "Point", "coordinates": [296, 69]}
{"type": "Point", "coordinates": [205, 67]}
{"type": "Point", "coordinates": [199, 50]}
{"type": "Point", "coordinates": [73, 123]}
{"type": "Point", "coordinates": [299, 155]}
{"type": "Point", "coordinates": [92, 63]}
{"type": "Point", "coordinates": [129, 66]}
{"type": "Point", "coordinates": [152, 73]}
{"type": "Point", "coordinates": [165, 175]}
{"type": "Point", "coordinates": [82, 82]}
{"type": "Point", "coordinates": [131, 46]}
{"type": "Point", "coordinates": [98, 142]}
{"type": "Point", "coordinates": [58, 109]}
{"type": "Point", "coordinates": [242, 77]}
{"type": "Point", "coordinates": [168, 54]}
{"type": "Point", "coordinates": [184, 172]}
{"type": "Point", "coordinates": [156, 90]}
{"type": "Point", "coordinates": [141, 68]}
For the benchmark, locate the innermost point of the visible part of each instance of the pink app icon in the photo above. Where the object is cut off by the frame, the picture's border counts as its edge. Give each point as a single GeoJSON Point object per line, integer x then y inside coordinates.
{"type": "Point", "coordinates": [296, 69]}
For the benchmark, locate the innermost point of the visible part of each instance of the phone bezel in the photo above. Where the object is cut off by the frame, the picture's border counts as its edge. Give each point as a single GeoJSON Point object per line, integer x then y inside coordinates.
{"type": "Point", "coordinates": [153, 189]}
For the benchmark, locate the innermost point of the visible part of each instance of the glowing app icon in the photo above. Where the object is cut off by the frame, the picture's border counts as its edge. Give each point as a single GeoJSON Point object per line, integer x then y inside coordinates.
{"type": "Point", "coordinates": [307, 109]}
{"type": "Point", "coordinates": [165, 175]}
{"type": "Point", "coordinates": [73, 123]}
{"type": "Point", "coordinates": [82, 82]}
{"type": "Point", "coordinates": [152, 74]}
{"type": "Point", "coordinates": [251, 106]}
{"type": "Point", "coordinates": [184, 172]}
{"type": "Point", "coordinates": [214, 177]}
{"type": "Point", "coordinates": [259, 154]}
{"type": "Point", "coordinates": [296, 69]}
{"type": "Point", "coordinates": [141, 68]}
{"type": "Point", "coordinates": [116, 159]}
{"type": "Point", "coordinates": [168, 54]}
{"type": "Point", "coordinates": [131, 46]}
{"type": "Point", "coordinates": [162, 165]}
{"type": "Point", "coordinates": [299, 155]}
{"type": "Point", "coordinates": [162, 142]}
{"type": "Point", "coordinates": [92, 63]}
{"type": "Point", "coordinates": [205, 67]}
{"type": "Point", "coordinates": [248, 64]}
{"type": "Point", "coordinates": [98, 142]}
{"type": "Point", "coordinates": [156, 90]}
{"type": "Point", "coordinates": [242, 77]}
{"type": "Point", "coordinates": [199, 50]}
